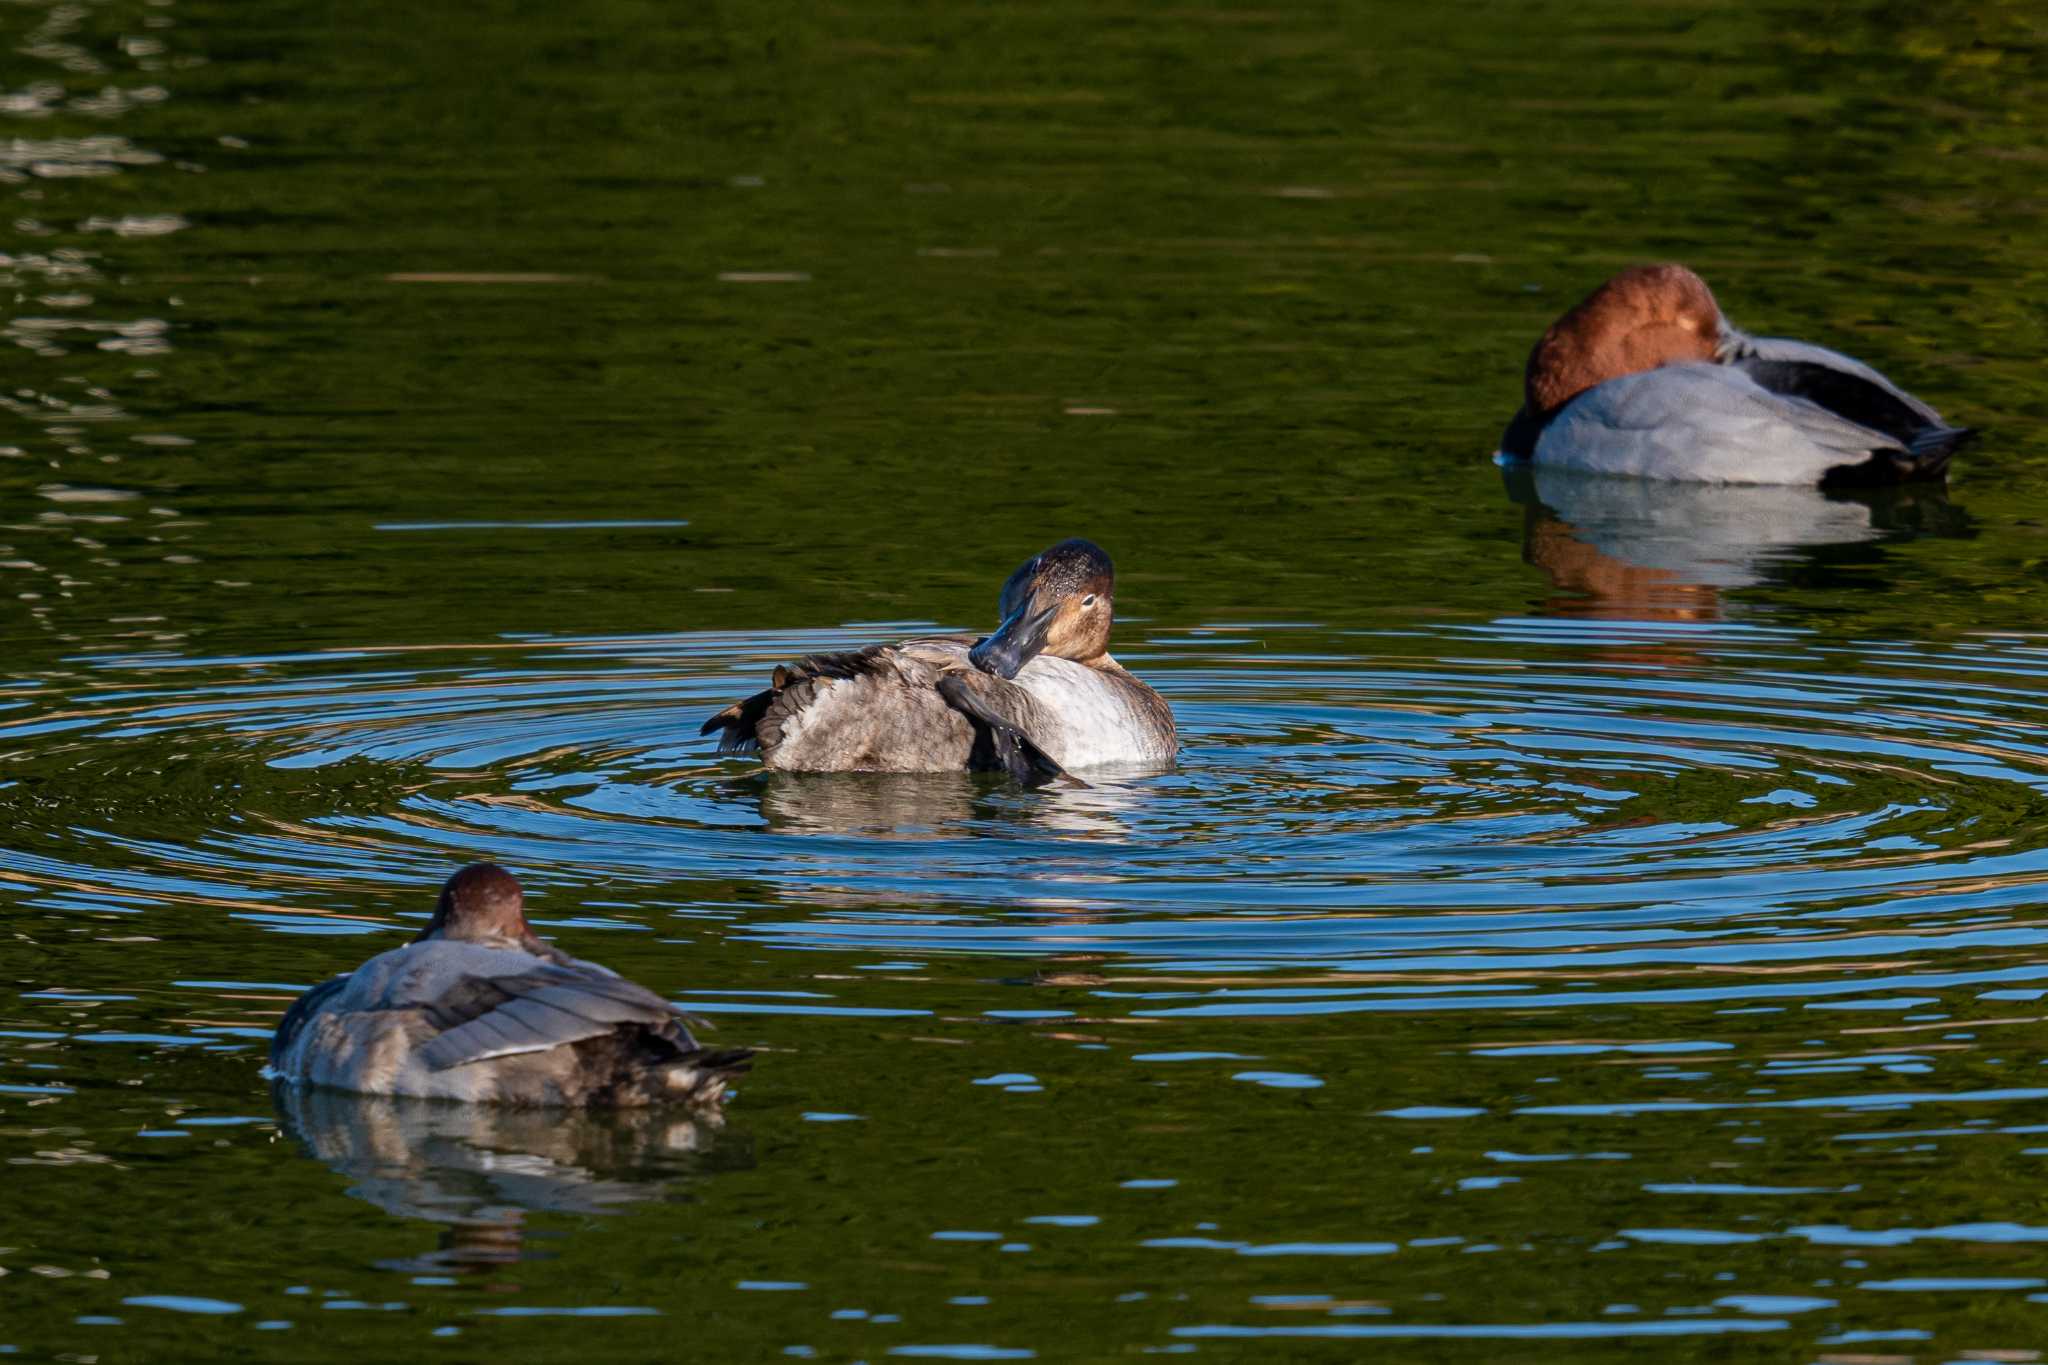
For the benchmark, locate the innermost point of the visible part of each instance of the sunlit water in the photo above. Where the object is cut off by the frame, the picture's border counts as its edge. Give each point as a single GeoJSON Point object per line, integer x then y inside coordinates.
{"type": "Point", "coordinates": [1584, 918]}
{"type": "Point", "coordinates": [1688, 953]}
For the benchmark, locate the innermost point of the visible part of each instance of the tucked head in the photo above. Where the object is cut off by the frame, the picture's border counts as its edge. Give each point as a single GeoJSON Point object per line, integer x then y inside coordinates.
{"type": "Point", "coordinates": [1644, 317]}
{"type": "Point", "coordinates": [480, 903]}
{"type": "Point", "coordinates": [1060, 603]}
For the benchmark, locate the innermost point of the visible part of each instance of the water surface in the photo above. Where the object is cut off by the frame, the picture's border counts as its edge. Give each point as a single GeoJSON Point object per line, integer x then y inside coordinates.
{"type": "Point", "coordinates": [1581, 921]}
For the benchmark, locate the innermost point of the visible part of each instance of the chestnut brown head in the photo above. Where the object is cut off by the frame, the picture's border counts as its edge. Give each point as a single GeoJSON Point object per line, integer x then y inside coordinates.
{"type": "Point", "coordinates": [1647, 316]}
{"type": "Point", "coordinates": [480, 904]}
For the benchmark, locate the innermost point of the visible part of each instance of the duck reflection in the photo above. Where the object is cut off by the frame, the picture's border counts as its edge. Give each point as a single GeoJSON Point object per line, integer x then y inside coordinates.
{"type": "Point", "coordinates": [1100, 807]}
{"type": "Point", "coordinates": [940, 805]}
{"type": "Point", "coordinates": [1634, 549]}
{"type": "Point", "coordinates": [881, 805]}
{"type": "Point", "coordinates": [479, 1170]}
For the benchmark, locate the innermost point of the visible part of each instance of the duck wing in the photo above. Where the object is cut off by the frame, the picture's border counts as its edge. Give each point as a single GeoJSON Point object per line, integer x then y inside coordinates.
{"type": "Point", "coordinates": [1000, 712]}
{"type": "Point", "coordinates": [744, 726]}
{"type": "Point", "coordinates": [1921, 442]}
{"type": "Point", "coordinates": [762, 721]}
{"type": "Point", "coordinates": [918, 705]}
{"type": "Point", "coordinates": [1840, 383]}
{"type": "Point", "coordinates": [547, 1006]}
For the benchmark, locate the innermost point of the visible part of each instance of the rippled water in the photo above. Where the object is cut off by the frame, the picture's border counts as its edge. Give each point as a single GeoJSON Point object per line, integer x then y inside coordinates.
{"type": "Point", "coordinates": [1688, 965]}
{"type": "Point", "coordinates": [1584, 917]}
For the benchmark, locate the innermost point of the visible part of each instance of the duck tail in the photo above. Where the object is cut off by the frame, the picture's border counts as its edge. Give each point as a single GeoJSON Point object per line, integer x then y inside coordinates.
{"type": "Point", "coordinates": [700, 1075]}
{"type": "Point", "coordinates": [756, 723]}
{"type": "Point", "coordinates": [740, 723]}
{"type": "Point", "coordinates": [1925, 455]}
{"type": "Point", "coordinates": [1931, 448]}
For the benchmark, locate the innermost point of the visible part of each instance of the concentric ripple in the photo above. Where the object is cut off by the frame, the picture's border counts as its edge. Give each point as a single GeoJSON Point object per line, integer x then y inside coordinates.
{"type": "Point", "coordinates": [1542, 801]}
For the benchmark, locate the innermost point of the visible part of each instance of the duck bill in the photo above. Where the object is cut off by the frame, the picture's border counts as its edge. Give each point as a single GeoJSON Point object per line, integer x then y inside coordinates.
{"type": "Point", "coordinates": [1518, 441]}
{"type": "Point", "coordinates": [1017, 641]}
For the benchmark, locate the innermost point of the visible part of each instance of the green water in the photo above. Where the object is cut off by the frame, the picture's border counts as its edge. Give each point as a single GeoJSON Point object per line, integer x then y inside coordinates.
{"type": "Point", "coordinates": [417, 422]}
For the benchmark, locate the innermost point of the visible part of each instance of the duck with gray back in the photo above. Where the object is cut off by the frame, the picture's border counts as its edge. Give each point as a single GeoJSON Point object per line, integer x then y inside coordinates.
{"type": "Point", "coordinates": [1039, 696]}
{"type": "Point", "coordinates": [1646, 379]}
{"type": "Point", "coordinates": [478, 1008]}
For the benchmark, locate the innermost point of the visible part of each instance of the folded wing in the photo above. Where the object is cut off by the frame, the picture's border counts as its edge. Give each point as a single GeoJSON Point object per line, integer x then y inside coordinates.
{"type": "Point", "coordinates": [1001, 713]}
{"type": "Point", "coordinates": [551, 1006]}
{"type": "Point", "coordinates": [1840, 383]}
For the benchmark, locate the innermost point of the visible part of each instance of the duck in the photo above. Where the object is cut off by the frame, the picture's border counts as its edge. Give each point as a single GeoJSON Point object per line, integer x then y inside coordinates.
{"type": "Point", "coordinates": [1038, 697]}
{"type": "Point", "coordinates": [1646, 378]}
{"type": "Point", "coordinates": [479, 1009]}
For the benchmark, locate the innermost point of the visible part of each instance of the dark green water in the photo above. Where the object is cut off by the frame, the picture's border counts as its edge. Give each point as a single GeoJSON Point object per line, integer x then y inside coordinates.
{"type": "Point", "coordinates": [1570, 932]}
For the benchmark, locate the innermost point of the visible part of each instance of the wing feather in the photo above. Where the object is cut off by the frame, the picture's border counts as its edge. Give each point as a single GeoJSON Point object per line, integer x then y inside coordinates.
{"type": "Point", "coordinates": [1003, 712]}
{"type": "Point", "coordinates": [1834, 380]}
{"type": "Point", "coordinates": [550, 1007]}
{"type": "Point", "coordinates": [601, 1007]}
{"type": "Point", "coordinates": [825, 704]}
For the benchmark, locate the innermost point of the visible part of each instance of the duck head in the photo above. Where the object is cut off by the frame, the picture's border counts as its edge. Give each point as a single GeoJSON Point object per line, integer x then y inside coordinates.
{"type": "Point", "coordinates": [481, 904]}
{"type": "Point", "coordinates": [1647, 316]}
{"type": "Point", "coordinates": [1060, 603]}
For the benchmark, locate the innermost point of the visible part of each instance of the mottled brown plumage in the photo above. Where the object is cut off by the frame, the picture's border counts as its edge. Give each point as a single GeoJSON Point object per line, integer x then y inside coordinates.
{"type": "Point", "coordinates": [1038, 695]}
{"type": "Point", "coordinates": [477, 1008]}
{"type": "Point", "coordinates": [917, 706]}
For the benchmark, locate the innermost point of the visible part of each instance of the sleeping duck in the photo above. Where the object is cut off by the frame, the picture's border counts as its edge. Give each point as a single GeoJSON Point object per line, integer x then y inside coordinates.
{"type": "Point", "coordinates": [1645, 378]}
{"type": "Point", "coordinates": [477, 1008]}
{"type": "Point", "coordinates": [1038, 697]}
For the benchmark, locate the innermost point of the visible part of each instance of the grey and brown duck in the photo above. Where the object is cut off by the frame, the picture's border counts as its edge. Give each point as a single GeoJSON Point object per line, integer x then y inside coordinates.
{"type": "Point", "coordinates": [1039, 696]}
{"type": "Point", "coordinates": [478, 1008]}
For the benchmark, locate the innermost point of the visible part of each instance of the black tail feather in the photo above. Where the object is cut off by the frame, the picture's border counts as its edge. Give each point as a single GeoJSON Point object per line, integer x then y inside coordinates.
{"type": "Point", "coordinates": [1935, 445]}
{"type": "Point", "coordinates": [1925, 455]}
{"type": "Point", "coordinates": [741, 723]}
{"type": "Point", "coordinates": [730, 1061]}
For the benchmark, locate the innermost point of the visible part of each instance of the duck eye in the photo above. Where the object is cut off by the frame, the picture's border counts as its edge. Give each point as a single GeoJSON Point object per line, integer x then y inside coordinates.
{"type": "Point", "coordinates": [1089, 600]}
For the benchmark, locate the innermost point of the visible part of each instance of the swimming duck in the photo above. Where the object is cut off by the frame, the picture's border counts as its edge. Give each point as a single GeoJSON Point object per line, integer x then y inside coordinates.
{"type": "Point", "coordinates": [1037, 697]}
{"type": "Point", "coordinates": [1646, 378]}
{"type": "Point", "coordinates": [477, 1008]}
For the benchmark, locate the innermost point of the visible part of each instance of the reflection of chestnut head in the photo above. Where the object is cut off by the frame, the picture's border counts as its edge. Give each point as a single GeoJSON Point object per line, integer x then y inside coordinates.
{"type": "Point", "coordinates": [1591, 584]}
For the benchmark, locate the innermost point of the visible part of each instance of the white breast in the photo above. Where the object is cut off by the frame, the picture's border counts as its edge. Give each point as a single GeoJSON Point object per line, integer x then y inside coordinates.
{"type": "Point", "coordinates": [1092, 717]}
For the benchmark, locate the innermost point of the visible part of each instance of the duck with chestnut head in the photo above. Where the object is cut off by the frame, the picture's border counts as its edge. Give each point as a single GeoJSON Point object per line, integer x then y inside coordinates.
{"type": "Point", "coordinates": [478, 1008]}
{"type": "Point", "coordinates": [1645, 378]}
{"type": "Point", "coordinates": [1039, 696]}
